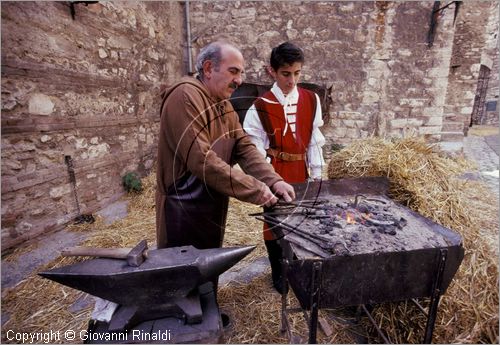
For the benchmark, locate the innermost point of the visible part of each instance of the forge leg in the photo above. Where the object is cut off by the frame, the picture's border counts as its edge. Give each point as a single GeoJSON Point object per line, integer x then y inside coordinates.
{"type": "Point", "coordinates": [435, 296]}
{"type": "Point", "coordinates": [284, 316]}
{"type": "Point", "coordinates": [315, 295]}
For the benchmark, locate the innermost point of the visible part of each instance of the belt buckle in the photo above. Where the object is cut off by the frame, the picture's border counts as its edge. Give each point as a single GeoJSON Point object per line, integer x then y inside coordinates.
{"type": "Point", "coordinates": [281, 155]}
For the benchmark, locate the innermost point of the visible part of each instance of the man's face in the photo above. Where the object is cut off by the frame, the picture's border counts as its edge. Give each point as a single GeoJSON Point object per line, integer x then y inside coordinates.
{"type": "Point", "coordinates": [222, 81]}
{"type": "Point", "coordinates": [287, 76]}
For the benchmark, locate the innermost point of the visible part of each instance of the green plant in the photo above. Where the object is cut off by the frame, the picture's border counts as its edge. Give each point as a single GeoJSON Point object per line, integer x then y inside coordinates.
{"type": "Point", "coordinates": [132, 183]}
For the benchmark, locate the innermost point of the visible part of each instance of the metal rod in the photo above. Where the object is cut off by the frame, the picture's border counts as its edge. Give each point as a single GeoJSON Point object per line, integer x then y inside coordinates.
{"type": "Point", "coordinates": [275, 222]}
{"type": "Point", "coordinates": [442, 8]}
{"type": "Point", "coordinates": [315, 299]}
{"type": "Point", "coordinates": [372, 320]}
{"type": "Point", "coordinates": [188, 37]}
{"type": "Point", "coordinates": [318, 240]}
{"type": "Point", "coordinates": [298, 204]}
{"type": "Point", "coordinates": [433, 24]}
{"type": "Point", "coordinates": [435, 296]}
{"type": "Point", "coordinates": [72, 179]}
{"type": "Point", "coordinates": [271, 213]}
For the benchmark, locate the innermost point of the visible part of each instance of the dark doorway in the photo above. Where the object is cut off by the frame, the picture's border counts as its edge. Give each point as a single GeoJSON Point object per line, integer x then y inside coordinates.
{"type": "Point", "coordinates": [478, 111]}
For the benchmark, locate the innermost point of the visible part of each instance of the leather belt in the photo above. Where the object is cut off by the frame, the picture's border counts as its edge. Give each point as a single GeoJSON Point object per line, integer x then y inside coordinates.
{"type": "Point", "coordinates": [285, 156]}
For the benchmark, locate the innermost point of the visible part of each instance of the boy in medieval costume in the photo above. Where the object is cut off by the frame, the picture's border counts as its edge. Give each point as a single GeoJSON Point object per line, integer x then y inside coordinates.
{"type": "Point", "coordinates": [284, 125]}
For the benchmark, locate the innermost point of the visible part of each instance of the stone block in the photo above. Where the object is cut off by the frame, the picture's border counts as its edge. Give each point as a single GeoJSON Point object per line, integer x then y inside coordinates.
{"type": "Point", "coordinates": [427, 81]}
{"type": "Point", "coordinates": [241, 13]}
{"type": "Point", "coordinates": [102, 53]}
{"type": "Point", "coordinates": [44, 138]}
{"type": "Point", "coordinates": [10, 164]}
{"type": "Point", "coordinates": [40, 104]}
{"type": "Point", "coordinates": [292, 34]}
{"type": "Point", "coordinates": [58, 192]}
{"type": "Point", "coordinates": [432, 111]}
{"type": "Point", "coordinates": [119, 42]}
{"type": "Point", "coordinates": [23, 146]}
{"type": "Point", "coordinates": [81, 143]}
{"type": "Point", "coordinates": [404, 123]}
{"type": "Point", "coordinates": [453, 126]}
{"type": "Point", "coordinates": [452, 136]}
{"type": "Point", "coordinates": [361, 124]}
{"type": "Point", "coordinates": [451, 146]}
{"type": "Point", "coordinates": [413, 102]}
{"type": "Point", "coordinates": [429, 130]}
{"type": "Point", "coordinates": [151, 32]}
{"type": "Point", "coordinates": [96, 151]}
{"type": "Point", "coordinates": [349, 123]}
{"type": "Point", "coordinates": [433, 121]}
{"type": "Point", "coordinates": [153, 54]}
{"type": "Point", "coordinates": [352, 133]}
{"type": "Point", "coordinates": [395, 133]}
{"type": "Point", "coordinates": [349, 7]}
{"type": "Point", "coordinates": [370, 97]}
{"type": "Point", "coordinates": [339, 132]}
{"type": "Point", "coordinates": [351, 115]}
{"type": "Point", "coordinates": [23, 227]}
{"type": "Point", "coordinates": [466, 110]}
{"type": "Point", "coordinates": [404, 52]}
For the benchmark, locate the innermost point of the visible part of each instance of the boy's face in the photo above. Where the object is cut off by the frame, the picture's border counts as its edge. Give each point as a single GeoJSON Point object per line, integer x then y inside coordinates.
{"type": "Point", "coordinates": [287, 76]}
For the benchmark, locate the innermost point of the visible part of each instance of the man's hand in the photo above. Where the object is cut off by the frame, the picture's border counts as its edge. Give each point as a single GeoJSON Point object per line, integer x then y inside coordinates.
{"type": "Point", "coordinates": [267, 198]}
{"type": "Point", "coordinates": [284, 190]}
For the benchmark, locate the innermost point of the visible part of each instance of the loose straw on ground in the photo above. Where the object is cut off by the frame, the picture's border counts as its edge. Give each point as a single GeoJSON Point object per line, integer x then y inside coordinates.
{"type": "Point", "coordinates": [421, 178]}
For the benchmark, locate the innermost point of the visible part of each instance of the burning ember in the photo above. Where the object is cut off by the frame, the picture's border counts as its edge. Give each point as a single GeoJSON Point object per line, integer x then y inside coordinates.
{"type": "Point", "coordinates": [350, 219]}
{"type": "Point", "coordinates": [342, 225]}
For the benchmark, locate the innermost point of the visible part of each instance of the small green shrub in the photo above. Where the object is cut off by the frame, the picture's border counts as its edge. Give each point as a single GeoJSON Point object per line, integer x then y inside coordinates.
{"type": "Point", "coordinates": [336, 147]}
{"type": "Point", "coordinates": [132, 183]}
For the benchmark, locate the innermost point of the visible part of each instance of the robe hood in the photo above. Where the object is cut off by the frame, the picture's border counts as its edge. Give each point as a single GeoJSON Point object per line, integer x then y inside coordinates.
{"type": "Point", "coordinates": [185, 80]}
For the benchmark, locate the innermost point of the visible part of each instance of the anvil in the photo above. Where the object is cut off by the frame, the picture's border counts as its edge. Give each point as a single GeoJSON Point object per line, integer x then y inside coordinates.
{"type": "Point", "coordinates": [166, 284]}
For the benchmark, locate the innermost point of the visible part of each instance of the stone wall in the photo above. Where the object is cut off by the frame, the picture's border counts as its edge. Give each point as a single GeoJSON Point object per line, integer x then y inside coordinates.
{"type": "Point", "coordinates": [85, 88]}
{"type": "Point", "coordinates": [470, 50]}
{"type": "Point", "coordinates": [386, 79]}
{"type": "Point", "coordinates": [490, 56]}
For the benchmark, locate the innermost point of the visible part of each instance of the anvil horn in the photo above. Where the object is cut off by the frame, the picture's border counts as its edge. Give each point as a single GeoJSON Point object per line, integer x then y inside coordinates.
{"type": "Point", "coordinates": [222, 260]}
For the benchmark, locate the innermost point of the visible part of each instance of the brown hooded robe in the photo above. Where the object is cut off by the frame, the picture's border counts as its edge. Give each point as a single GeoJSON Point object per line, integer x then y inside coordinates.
{"type": "Point", "coordinates": [199, 141]}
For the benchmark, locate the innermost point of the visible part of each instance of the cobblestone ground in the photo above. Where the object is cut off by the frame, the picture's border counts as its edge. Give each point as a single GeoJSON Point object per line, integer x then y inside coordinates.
{"type": "Point", "coordinates": [482, 147]}
{"type": "Point", "coordinates": [477, 149]}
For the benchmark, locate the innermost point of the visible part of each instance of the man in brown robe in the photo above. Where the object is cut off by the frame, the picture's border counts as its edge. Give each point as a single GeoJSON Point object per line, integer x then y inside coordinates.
{"type": "Point", "coordinates": [200, 139]}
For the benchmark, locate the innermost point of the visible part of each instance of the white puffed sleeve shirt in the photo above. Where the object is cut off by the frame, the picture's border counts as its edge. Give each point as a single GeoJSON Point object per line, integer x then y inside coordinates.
{"type": "Point", "coordinates": [258, 135]}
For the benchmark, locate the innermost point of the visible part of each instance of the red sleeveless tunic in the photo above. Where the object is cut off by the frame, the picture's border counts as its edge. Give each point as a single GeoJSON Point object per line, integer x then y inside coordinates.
{"type": "Point", "coordinates": [292, 164]}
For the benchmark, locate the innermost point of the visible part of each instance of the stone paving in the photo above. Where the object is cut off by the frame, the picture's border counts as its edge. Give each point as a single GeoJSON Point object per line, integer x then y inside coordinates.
{"type": "Point", "coordinates": [482, 150]}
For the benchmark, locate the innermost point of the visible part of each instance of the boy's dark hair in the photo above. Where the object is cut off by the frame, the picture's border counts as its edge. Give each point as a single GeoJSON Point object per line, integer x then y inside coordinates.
{"type": "Point", "coordinates": [286, 54]}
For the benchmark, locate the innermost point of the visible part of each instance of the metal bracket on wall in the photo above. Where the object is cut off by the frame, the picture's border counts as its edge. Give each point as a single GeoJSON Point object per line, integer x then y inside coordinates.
{"type": "Point", "coordinates": [434, 17]}
{"type": "Point", "coordinates": [73, 3]}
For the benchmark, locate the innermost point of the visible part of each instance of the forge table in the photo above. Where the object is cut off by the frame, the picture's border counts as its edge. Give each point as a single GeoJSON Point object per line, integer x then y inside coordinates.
{"type": "Point", "coordinates": [367, 278]}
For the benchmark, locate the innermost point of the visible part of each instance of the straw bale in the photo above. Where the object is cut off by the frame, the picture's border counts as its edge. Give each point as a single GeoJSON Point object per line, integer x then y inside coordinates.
{"type": "Point", "coordinates": [427, 181]}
